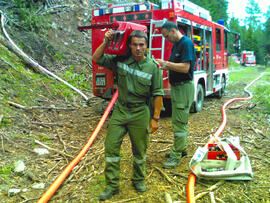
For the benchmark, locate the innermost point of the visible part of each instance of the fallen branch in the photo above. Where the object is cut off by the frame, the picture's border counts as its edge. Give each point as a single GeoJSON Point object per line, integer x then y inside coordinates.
{"type": "Point", "coordinates": [256, 157]}
{"type": "Point", "coordinates": [38, 68]}
{"type": "Point", "coordinates": [37, 107]}
{"type": "Point", "coordinates": [168, 198]}
{"type": "Point", "coordinates": [165, 150]}
{"type": "Point", "coordinates": [178, 174]}
{"type": "Point", "coordinates": [48, 10]}
{"type": "Point", "coordinates": [258, 132]}
{"type": "Point", "coordinates": [236, 107]}
{"type": "Point", "coordinates": [200, 195]}
{"type": "Point", "coordinates": [15, 144]}
{"type": "Point", "coordinates": [75, 172]}
{"type": "Point", "coordinates": [47, 125]}
{"type": "Point", "coordinates": [52, 149]}
{"type": "Point", "coordinates": [53, 168]}
{"type": "Point", "coordinates": [165, 175]}
{"type": "Point", "coordinates": [210, 189]}
{"type": "Point", "coordinates": [62, 141]}
{"type": "Point", "coordinates": [17, 105]}
{"type": "Point", "coordinates": [212, 197]}
{"type": "Point", "coordinates": [2, 142]}
{"type": "Point", "coordinates": [128, 200]}
{"type": "Point", "coordinates": [220, 200]}
{"type": "Point", "coordinates": [162, 141]}
{"type": "Point", "coordinates": [251, 106]}
{"type": "Point", "coordinates": [7, 63]}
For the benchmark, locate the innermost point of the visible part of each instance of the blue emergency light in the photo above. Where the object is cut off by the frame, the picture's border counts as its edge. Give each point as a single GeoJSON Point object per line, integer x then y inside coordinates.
{"type": "Point", "coordinates": [137, 7]}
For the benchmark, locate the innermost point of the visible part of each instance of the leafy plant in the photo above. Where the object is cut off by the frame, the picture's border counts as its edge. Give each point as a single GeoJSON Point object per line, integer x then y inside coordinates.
{"type": "Point", "coordinates": [5, 170]}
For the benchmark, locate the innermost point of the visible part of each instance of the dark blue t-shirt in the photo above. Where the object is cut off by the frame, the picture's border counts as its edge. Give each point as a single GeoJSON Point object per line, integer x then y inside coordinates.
{"type": "Point", "coordinates": [182, 51]}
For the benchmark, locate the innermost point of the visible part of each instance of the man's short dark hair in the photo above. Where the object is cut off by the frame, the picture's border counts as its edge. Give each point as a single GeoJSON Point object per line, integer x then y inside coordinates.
{"type": "Point", "coordinates": [138, 34]}
{"type": "Point", "coordinates": [169, 25]}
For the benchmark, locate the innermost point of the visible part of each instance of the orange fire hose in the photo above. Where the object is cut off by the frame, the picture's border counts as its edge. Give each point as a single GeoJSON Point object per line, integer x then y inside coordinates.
{"type": "Point", "coordinates": [192, 177]}
{"type": "Point", "coordinates": [58, 181]}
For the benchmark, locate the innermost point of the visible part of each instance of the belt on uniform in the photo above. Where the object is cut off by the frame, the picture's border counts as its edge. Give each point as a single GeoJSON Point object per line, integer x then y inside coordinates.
{"type": "Point", "coordinates": [179, 83]}
{"type": "Point", "coordinates": [132, 105]}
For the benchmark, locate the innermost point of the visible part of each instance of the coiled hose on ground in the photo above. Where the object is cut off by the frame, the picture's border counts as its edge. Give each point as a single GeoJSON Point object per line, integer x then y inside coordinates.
{"type": "Point", "coordinates": [192, 177]}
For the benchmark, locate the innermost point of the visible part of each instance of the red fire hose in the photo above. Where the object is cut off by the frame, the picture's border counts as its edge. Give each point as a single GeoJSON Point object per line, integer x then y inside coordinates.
{"type": "Point", "coordinates": [192, 177]}
{"type": "Point", "coordinates": [58, 181]}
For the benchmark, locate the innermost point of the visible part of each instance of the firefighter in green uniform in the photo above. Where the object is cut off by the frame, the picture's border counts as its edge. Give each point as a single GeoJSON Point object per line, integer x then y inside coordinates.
{"type": "Point", "coordinates": [180, 66]}
{"type": "Point", "coordinates": [139, 78]}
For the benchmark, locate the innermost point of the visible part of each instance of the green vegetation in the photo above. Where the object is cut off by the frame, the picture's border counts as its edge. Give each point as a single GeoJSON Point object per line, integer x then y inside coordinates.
{"type": "Point", "coordinates": [260, 89]}
{"type": "Point", "coordinates": [25, 87]}
{"type": "Point", "coordinates": [254, 34]}
{"type": "Point", "coordinates": [233, 64]}
{"type": "Point", "coordinates": [96, 183]}
{"type": "Point", "coordinates": [218, 9]}
{"type": "Point", "coordinates": [27, 16]}
{"type": "Point", "coordinates": [5, 170]}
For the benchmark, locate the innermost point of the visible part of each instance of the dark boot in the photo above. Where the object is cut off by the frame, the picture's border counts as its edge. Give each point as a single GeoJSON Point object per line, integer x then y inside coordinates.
{"type": "Point", "coordinates": [139, 186]}
{"type": "Point", "coordinates": [108, 193]}
{"type": "Point", "coordinates": [171, 162]}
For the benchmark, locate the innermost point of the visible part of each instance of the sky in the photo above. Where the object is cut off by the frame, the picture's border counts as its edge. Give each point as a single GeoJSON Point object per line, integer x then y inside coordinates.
{"type": "Point", "coordinates": [237, 8]}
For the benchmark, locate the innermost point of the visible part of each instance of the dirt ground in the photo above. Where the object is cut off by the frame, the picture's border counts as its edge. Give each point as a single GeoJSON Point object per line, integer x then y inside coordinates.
{"type": "Point", "coordinates": [67, 131]}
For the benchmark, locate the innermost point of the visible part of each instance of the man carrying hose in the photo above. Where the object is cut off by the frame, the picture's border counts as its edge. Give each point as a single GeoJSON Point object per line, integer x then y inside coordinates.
{"type": "Point", "coordinates": [139, 79]}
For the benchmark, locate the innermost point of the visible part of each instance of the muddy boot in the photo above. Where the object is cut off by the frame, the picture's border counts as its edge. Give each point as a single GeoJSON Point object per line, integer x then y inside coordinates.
{"type": "Point", "coordinates": [171, 162]}
{"type": "Point", "coordinates": [108, 193]}
{"type": "Point", "coordinates": [139, 186]}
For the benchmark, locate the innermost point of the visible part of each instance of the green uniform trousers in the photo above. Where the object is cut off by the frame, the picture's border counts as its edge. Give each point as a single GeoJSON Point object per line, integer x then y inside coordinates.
{"type": "Point", "coordinates": [182, 97]}
{"type": "Point", "coordinates": [135, 122]}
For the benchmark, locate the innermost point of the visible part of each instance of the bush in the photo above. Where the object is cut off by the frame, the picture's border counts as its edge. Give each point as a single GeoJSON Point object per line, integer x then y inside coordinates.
{"type": "Point", "coordinates": [24, 13]}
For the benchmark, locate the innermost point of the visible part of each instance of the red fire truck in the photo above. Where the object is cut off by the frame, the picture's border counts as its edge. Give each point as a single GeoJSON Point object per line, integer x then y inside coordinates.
{"type": "Point", "coordinates": [248, 58]}
{"type": "Point", "coordinates": [210, 40]}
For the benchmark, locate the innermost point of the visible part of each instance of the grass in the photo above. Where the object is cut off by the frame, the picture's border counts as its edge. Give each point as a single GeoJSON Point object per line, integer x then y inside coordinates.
{"type": "Point", "coordinates": [260, 89]}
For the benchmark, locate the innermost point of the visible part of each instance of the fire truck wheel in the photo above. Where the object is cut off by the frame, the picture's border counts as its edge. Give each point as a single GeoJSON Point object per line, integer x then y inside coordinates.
{"type": "Point", "coordinates": [198, 104]}
{"type": "Point", "coordinates": [221, 92]}
{"type": "Point", "coordinates": [167, 110]}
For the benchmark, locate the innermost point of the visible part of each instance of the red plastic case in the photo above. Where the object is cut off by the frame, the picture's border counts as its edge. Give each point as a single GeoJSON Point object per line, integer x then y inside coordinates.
{"type": "Point", "coordinates": [219, 154]}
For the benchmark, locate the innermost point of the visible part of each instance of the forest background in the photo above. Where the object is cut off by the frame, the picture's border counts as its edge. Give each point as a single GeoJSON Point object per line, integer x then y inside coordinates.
{"type": "Point", "coordinates": [254, 33]}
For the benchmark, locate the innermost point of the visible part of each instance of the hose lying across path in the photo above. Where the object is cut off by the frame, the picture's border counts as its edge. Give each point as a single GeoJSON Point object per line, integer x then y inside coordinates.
{"type": "Point", "coordinates": [192, 177]}
{"type": "Point", "coordinates": [58, 181]}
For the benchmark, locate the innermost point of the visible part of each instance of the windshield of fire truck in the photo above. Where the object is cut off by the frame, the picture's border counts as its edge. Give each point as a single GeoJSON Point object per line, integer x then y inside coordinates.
{"type": "Point", "coordinates": [251, 58]}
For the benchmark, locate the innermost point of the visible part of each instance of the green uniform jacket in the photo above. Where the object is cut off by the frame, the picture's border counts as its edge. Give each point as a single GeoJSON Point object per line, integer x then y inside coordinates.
{"type": "Point", "coordinates": [137, 81]}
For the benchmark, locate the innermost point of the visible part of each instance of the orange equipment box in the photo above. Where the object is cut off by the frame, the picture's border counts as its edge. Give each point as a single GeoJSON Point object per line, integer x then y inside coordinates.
{"type": "Point", "coordinates": [214, 152]}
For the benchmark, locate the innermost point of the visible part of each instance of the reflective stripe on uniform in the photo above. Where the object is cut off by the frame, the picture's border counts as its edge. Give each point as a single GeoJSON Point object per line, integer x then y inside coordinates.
{"type": "Point", "coordinates": [113, 159]}
{"type": "Point", "coordinates": [182, 134]}
{"type": "Point", "coordinates": [134, 72]}
{"type": "Point", "coordinates": [140, 161]}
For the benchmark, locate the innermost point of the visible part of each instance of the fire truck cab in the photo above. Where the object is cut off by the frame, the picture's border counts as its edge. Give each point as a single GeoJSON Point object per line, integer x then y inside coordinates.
{"type": "Point", "coordinates": [210, 41]}
{"type": "Point", "coordinates": [248, 58]}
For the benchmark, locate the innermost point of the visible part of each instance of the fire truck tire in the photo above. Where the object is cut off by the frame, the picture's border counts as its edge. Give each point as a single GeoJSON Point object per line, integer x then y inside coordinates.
{"type": "Point", "coordinates": [167, 110]}
{"type": "Point", "coordinates": [198, 104]}
{"type": "Point", "coordinates": [221, 92]}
